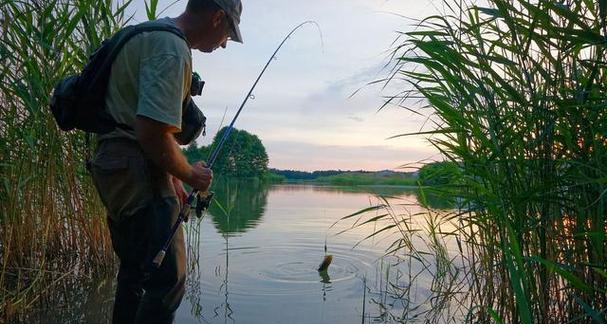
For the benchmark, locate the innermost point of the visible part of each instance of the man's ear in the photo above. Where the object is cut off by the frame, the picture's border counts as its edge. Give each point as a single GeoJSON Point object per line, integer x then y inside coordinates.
{"type": "Point", "coordinates": [218, 17]}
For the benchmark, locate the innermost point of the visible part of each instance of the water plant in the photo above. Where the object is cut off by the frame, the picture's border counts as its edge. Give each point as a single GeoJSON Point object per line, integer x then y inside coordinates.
{"type": "Point", "coordinates": [51, 222]}
{"type": "Point", "coordinates": [516, 91]}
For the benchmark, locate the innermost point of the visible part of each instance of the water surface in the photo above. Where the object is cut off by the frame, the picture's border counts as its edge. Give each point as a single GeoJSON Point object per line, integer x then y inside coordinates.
{"type": "Point", "coordinates": [258, 250]}
{"type": "Point", "coordinates": [253, 259]}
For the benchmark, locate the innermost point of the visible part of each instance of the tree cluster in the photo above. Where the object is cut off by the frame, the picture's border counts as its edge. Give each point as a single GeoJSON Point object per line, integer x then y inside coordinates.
{"type": "Point", "coordinates": [242, 156]}
{"type": "Point", "coordinates": [304, 175]}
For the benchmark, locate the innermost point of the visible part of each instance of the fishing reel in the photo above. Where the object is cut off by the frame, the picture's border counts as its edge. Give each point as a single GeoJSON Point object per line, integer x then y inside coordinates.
{"type": "Point", "coordinates": [203, 201]}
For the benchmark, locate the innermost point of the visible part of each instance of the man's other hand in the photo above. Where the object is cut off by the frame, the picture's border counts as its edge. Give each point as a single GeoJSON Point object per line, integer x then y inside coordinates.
{"type": "Point", "coordinates": [182, 195]}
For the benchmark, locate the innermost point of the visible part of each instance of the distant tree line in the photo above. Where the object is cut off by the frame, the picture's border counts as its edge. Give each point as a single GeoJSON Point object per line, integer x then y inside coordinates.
{"type": "Point", "coordinates": [304, 175]}
{"type": "Point", "coordinates": [431, 174]}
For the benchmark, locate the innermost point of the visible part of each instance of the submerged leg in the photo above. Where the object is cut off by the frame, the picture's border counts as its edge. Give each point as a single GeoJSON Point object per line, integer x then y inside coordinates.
{"type": "Point", "coordinates": [165, 286]}
{"type": "Point", "coordinates": [127, 237]}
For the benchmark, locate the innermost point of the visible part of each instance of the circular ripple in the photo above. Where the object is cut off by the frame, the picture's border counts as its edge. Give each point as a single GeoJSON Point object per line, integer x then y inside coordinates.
{"type": "Point", "coordinates": [276, 269]}
{"type": "Point", "coordinates": [343, 267]}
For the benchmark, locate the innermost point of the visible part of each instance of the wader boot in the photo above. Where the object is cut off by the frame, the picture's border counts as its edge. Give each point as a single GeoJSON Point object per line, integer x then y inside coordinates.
{"type": "Point", "coordinates": [142, 206]}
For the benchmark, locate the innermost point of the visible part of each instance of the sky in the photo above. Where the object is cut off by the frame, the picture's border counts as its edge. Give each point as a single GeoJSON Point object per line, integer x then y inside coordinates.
{"type": "Point", "coordinates": [303, 109]}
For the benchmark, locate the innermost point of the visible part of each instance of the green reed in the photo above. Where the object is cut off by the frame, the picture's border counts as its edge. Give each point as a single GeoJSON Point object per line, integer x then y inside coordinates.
{"type": "Point", "coordinates": [517, 91]}
{"type": "Point", "coordinates": [51, 222]}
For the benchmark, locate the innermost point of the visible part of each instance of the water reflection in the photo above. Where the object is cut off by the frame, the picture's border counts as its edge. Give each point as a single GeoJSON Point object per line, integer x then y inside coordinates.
{"type": "Point", "coordinates": [374, 190]}
{"type": "Point", "coordinates": [194, 281]}
{"type": "Point", "coordinates": [243, 200]}
{"type": "Point", "coordinates": [73, 300]}
{"type": "Point", "coordinates": [435, 199]}
{"type": "Point", "coordinates": [194, 277]}
{"type": "Point", "coordinates": [405, 293]}
{"type": "Point", "coordinates": [225, 306]}
{"type": "Point", "coordinates": [276, 266]}
{"type": "Point", "coordinates": [324, 277]}
{"type": "Point", "coordinates": [427, 197]}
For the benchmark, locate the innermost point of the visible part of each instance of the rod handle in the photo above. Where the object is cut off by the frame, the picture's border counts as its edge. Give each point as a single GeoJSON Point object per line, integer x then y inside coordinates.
{"type": "Point", "coordinates": [158, 259]}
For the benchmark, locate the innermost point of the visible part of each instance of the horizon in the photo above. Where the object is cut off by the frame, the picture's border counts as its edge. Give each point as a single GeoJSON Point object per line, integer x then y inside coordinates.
{"type": "Point", "coordinates": [303, 110]}
{"type": "Point", "coordinates": [340, 170]}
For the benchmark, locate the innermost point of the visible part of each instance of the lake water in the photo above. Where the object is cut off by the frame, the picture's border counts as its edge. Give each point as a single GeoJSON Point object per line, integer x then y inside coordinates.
{"type": "Point", "coordinates": [253, 259]}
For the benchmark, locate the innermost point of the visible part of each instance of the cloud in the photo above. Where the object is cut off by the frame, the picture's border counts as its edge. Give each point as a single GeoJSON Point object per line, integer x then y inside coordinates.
{"type": "Point", "coordinates": [356, 119]}
{"type": "Point", "coordinates": [309, 157]}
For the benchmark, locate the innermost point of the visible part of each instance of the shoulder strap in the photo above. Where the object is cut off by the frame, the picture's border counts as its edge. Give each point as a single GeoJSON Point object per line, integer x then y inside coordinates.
{"type": "Point", "coordinates": [124, 35]}
{"type": "Point", "coordinates": [112, 47]}
{"type": "Point", "coordinates": [131, 31]}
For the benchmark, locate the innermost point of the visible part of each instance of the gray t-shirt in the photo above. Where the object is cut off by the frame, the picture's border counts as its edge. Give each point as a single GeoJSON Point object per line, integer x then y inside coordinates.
{"type": "Point", "coordinates": [150, 77]}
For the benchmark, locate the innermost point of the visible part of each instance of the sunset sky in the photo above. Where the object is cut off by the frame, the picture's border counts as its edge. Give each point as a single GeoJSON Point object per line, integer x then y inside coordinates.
{"type": "Point", "coordinates": [302, 110]}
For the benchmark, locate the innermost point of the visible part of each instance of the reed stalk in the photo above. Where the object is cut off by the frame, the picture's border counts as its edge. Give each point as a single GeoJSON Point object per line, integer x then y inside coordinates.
{"type": "Point", "coordinates": [51, 222]}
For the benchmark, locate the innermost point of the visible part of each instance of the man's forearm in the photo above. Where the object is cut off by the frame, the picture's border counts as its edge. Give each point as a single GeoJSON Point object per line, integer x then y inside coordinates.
{"type": "Point", "coordinates": [160, 146]}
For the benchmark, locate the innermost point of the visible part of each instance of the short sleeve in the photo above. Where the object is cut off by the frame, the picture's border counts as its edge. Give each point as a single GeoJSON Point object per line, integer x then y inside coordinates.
{"type": "Point", "coordinates": [161, 88]}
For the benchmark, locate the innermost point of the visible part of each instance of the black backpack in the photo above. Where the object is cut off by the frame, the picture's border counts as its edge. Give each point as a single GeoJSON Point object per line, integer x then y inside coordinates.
{"type": "Point", "coordinates": [78, 101]}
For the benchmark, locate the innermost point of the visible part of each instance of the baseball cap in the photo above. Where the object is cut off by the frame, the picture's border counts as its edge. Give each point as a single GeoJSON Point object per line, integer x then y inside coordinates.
{"type": "Point", "coordinates": [233, 9]}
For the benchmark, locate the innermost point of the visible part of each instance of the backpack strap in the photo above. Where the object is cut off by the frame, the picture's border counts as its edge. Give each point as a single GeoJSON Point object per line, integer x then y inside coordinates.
{"type": "Point", "coordinates": [124, 36]}
{"type": "Point", "coordinates": [128, 32]}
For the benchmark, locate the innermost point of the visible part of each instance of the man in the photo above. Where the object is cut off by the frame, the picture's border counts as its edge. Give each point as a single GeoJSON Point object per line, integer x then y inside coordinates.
{"type": "Point", "coordinates": [138, 172]}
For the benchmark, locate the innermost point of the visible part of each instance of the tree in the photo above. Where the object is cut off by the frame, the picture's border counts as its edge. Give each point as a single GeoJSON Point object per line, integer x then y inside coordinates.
{"type": "Point", "coordinates": [242, 156]}
{"type": "Point", "coordinates": [194, 154]}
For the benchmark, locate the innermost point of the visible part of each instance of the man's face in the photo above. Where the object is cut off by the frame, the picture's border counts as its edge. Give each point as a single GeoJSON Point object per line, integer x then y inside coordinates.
{"type": "Point", "coordinates": [214, 34]}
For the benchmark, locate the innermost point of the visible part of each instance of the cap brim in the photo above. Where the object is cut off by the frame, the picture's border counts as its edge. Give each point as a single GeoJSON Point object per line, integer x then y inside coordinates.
{"type": "Point", "coordinates": [235, 34]}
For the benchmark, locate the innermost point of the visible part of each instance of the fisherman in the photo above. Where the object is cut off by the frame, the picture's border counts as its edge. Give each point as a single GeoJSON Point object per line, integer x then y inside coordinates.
{"type": "Point", "coordinates": [139, 171]}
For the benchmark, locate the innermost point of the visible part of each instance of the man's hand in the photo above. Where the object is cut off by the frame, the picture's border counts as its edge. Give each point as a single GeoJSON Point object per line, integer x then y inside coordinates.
{"type": "Point", "coordinates": [158, 144]}
{"type": "Point", "coordinates": [200, 176]}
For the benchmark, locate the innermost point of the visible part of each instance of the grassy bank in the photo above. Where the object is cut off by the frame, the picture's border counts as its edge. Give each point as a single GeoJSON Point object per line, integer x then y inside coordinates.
{"type": "Point", "coordinates": [368, 179]}
{"type": "Point", "coordinates": [347, 178]}
{"type": "Point", "coordinates": [273, 177]}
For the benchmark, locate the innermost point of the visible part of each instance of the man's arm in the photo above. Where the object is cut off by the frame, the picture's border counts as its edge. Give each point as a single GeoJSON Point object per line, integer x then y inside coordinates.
{"type": "Point", "coordinates": [159, 145]}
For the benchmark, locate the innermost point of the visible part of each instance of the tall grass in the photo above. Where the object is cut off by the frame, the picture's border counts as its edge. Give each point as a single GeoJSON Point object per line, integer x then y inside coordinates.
{"type": "Point", "coordinates": [51, 223]}
{"type": "Point", "coordinates": [518, 92]}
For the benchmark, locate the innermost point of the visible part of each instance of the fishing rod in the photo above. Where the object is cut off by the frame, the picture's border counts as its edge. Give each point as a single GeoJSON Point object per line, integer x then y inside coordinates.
{"type": "Point", "coordinates": [203, 203]}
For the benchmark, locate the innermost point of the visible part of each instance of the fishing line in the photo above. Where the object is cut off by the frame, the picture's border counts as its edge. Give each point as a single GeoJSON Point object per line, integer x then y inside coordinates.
{"type": "Point", "coordinates": [327, 258]}
{"type": "Point", "coordinates": [249, 94]}
{"type": "Point", "coordinates": [194, 194]}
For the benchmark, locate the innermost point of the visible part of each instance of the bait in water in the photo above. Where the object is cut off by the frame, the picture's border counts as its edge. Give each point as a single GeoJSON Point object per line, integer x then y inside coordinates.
{"type": "Point", "coordinates": [326, 261]}
{"type": "Point", "coordinates": [324, 265]}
